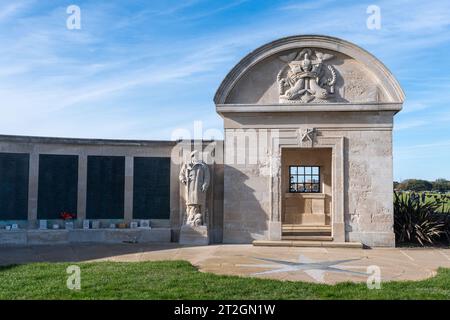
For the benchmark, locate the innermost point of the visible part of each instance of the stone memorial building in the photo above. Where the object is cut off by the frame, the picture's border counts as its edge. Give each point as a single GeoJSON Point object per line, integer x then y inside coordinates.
{"type": "Point", "coordinates": [306, 159]}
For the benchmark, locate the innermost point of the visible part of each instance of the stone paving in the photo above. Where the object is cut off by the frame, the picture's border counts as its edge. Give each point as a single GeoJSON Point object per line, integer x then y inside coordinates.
{"type": "Point", "coordinates": [320, 265]}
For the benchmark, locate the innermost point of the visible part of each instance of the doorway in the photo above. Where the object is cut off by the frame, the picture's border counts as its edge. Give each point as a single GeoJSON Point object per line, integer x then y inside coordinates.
{"type": "Point", "coordinates": [306, 193]}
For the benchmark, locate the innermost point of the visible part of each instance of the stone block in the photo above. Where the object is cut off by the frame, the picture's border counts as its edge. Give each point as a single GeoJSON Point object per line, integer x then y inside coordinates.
{"type": "Point", "coordinates": [190, 235]}
{"type": "Point", "coordinates": [86, 236]}
{"type": "Point", "coordinates": [121, 235]}
{"type": "Point", "coordinates": [13, 237]}
{"type": "Point", "coordinates": [318, 206]}
{"type": "Point", "coordinates": [312, 219]}
{"type": "Point", "coordinates": [155, 235]}
{"type": "Point", "coordinates": [47, 236]}
{"type": "Point", "coordinates": [373, 239]}
{"type": "Point", "coordinates": [240, 236]}
{"type": "Point", "coordinates": [275, 230]}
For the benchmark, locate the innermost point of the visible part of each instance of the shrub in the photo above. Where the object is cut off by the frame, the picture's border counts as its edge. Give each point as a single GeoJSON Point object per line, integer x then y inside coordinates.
{"type": "Point", "coordinates": [445, 217]}
{"type": "Point", "coordinates": [416, 221]}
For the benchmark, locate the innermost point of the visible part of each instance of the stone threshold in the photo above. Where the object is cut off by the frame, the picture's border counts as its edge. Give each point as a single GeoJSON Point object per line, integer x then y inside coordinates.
{"type": "Point", "coordinates": [305, 243]}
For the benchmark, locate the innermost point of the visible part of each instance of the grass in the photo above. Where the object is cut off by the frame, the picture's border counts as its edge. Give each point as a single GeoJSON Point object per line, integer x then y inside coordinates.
{"type": "Point", "coordinates": [180, 280]}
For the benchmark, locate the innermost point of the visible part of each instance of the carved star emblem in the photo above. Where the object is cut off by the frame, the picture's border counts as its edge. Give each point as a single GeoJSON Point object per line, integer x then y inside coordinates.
{"type": "Point", "coordinates": [314, 269]}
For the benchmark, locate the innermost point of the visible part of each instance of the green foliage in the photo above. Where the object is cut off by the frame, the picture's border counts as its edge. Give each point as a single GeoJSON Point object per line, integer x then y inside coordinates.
{"type": "Point", "coordinates": [416, 221]}
{"type": "Point", "coordinates": [444, 215]}
{"type": "Point", "coordinates": [415, 185]}
{"type": "Point", "coordinates": [442, 200]}
{"type": "Point", "coordinates": [180, 280]}
{"type": "Point", "coordinates": [441, 185]}
{"type": "Point", "coordinates": [446, 221]}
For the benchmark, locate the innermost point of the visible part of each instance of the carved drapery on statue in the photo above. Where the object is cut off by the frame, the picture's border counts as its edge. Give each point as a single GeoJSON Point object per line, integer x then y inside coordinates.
{"type": "Point", "coordinates": [306, 77]}
{"type": "Point", "coordinates": [195, 176]}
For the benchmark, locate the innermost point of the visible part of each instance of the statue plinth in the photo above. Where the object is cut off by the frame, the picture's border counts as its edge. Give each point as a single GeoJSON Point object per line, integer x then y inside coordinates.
{"type": "Point", "coordinates": [194, 235]}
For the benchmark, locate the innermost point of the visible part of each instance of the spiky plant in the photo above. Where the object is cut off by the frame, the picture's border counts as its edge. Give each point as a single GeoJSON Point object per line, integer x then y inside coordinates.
{"type": "Point", "coordinates": [445, 217]}
{"type": "Point", "coordinates": [416, 221]}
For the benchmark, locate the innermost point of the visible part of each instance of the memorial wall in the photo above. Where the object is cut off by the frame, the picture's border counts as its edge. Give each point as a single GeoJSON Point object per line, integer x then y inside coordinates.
{"type": "Point", "coordinates": [70, 185]}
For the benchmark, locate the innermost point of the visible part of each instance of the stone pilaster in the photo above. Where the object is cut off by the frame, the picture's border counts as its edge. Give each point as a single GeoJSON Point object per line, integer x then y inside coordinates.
{"type": "Point", "coordinates": [129, 172]}
{"type": "Point", "coordinates": [82, 187]}
{"type": "Point", "coordinates": [33, 184]}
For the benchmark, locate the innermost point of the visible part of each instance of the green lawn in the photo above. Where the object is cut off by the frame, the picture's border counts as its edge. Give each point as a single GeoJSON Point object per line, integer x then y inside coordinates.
{"type": "Point", "coordinates": [180, 280]}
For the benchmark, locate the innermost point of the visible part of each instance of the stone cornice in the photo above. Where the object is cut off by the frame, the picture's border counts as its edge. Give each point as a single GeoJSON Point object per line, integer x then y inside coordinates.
{"type": "Point", "coordinates": [77, 141]}
{"type": "Point", "coordinates": [308, 107]}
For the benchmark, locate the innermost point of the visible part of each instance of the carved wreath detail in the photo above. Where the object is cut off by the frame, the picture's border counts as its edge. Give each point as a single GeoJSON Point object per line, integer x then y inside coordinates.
{"type": "Point", "coordinates": [306, 77]}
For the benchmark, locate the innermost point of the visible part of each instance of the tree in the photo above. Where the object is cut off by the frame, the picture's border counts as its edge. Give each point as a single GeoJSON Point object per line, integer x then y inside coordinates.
{"type": "Point", "coordinates": [442, 185]}
{"type": "Point", "coordinates": [396, 184]}
{"type": "Point", "coordinates": [415, 185]}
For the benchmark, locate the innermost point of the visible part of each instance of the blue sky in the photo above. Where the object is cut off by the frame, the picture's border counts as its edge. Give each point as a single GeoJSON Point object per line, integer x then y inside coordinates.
{"type": "Point", "coordinates": [142, 69]}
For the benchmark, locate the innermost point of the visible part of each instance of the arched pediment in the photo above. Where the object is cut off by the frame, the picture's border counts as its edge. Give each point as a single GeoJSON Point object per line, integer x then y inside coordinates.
{"type": "Point", "coordinates": [309, 69]}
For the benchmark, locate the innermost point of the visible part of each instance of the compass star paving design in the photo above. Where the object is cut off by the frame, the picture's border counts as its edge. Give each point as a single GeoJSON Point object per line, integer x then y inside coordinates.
{"type": "Point", "coordinates": [314, 269]}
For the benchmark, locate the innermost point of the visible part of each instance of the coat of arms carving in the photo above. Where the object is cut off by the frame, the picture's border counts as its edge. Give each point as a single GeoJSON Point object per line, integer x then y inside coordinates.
{"type": "Point", "coordinates": [307, 78]}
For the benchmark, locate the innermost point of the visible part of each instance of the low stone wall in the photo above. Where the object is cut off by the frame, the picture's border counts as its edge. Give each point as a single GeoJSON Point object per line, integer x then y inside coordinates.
{"type": "Point", "coordinates": [46, 237]}
{"type": "Point", "coordinates": [109, 181]}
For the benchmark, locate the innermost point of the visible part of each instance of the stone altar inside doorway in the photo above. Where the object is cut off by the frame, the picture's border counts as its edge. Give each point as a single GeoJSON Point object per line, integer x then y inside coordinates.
{"type": "Point", "coordinates": [306, 181]}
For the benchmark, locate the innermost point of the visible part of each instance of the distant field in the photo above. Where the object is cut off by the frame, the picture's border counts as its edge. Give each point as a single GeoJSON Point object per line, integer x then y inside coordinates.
{"type": "Point", "coordinates": [433, 197]}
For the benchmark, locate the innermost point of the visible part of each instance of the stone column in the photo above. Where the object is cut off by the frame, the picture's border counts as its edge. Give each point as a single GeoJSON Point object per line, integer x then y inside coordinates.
{"type": "Point", "coordinates": [338, 227]}
{"type": "Point", "coordinates": [217, 198]}
{"type": "Point", "coordinates": [82, 187]}
{"type": "Point", "coordinates": [176, 203]}
{"type": "Point", "coordinates": [275, 231]}
{"type": "Point", "coordinates": [33, 184]}
{"type": "Point", "coordinates": [129, 172]}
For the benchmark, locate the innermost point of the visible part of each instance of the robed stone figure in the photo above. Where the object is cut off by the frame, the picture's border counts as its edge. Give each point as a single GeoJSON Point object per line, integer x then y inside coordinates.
{"type": "Point", "coordinates": [196, 177]}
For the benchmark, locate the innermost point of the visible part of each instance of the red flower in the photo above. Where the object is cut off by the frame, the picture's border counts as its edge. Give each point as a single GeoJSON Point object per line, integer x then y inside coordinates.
{"type": "Point", "coordinates": [67, 216]}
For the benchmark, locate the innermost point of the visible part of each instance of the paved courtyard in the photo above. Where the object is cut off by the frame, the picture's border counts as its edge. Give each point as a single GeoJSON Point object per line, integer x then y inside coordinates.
{"type": "Point", "coordinates": [320, 265]}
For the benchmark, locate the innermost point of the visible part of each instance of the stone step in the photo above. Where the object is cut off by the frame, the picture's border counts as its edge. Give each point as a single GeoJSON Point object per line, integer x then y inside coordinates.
{"type": "Point", "coordinates": [307, 238]}
{"type": "Point", "coordinates": [304, 228]}
{"type": "Point", "coordinates": [294, 231]}
{"type": "Point", "coordinates": [322, 244]}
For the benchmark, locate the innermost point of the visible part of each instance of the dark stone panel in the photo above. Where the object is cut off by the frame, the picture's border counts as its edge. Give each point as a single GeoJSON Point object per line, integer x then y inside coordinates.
{"type": "Point", "coordinates": [58, 185]}
{"type": "Point", "coordinates": [105, 187]}
{"type": "Point", "coordinates": [151, 190]}
{"type": "Point", "coordinates": [14, 172]}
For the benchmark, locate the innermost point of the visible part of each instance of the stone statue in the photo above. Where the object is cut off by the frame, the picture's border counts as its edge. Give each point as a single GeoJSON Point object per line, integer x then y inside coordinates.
{"type": "Point", "coordinates": [305, 79]}
{"type": "Point", "coordinates": [196, 177]}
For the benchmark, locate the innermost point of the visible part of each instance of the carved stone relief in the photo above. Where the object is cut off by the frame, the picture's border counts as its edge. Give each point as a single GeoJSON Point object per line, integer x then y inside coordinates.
{"type": "Point", "coordinates": [357, 87]}
{"type": "Point", "coordinates": [306, 77]}
{"type": "Point", "coordinates": [354, 86]}
{"type": "Point", "coordinates": [306, 137]}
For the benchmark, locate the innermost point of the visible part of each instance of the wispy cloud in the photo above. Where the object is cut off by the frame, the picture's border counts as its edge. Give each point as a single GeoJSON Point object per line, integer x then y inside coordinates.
{"type": "Point", "coordinates": [306, 5]}
{"type": "Point", "coordinates": [211, 12]}
{"type": "Point", "coordinates": [410, 124]}
{"type": "Point", "coordinates": [141, 69]}
{"type": "Point", "coordinates": [10, 9]}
